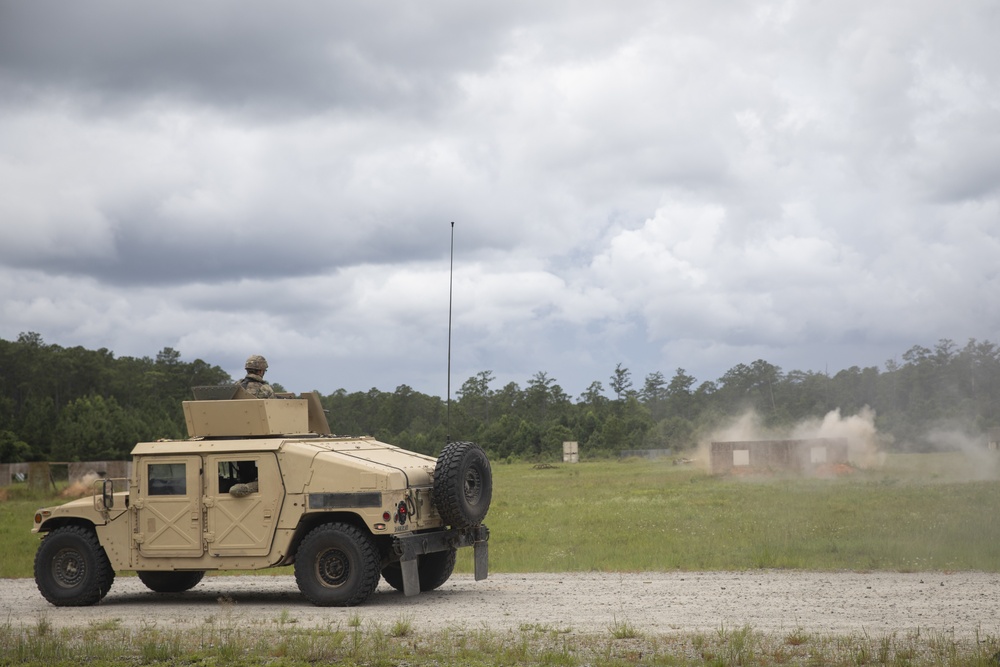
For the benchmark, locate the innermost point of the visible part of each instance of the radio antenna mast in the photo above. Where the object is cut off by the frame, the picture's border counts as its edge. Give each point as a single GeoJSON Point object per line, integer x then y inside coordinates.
{"type": "Point", "coordinates": [451, 282]}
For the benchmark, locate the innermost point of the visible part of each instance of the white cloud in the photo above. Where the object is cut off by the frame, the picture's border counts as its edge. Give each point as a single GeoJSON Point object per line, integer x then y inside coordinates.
{"type": "Point", "coordinates": [677, 185]}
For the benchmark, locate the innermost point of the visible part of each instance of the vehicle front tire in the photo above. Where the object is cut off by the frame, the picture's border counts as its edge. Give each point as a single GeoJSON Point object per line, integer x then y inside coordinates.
{"type": "Point", "coordinates": [71, 567]}
{"type": "Point", "coordinates": [433, 569]}
{"type": "Point", "coordinates": [463, 484]}
{"type": "Point", "coordinates": [170, 582]}
{"type": "Point", "coordinates": [337, 565]}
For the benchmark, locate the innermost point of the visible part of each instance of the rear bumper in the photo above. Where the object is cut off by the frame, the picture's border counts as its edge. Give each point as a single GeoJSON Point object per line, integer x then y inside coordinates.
{"type": "Point", "coordinates": [410, 547]}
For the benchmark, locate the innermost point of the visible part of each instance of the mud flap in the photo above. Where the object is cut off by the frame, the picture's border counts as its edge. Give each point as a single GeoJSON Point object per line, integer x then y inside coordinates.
{"type": "Point", "coordinates": [411, 577]}
{"type": "Point", "coordinates": [481, 554]}
{"type": "Point", "coordinates": [411, 547]}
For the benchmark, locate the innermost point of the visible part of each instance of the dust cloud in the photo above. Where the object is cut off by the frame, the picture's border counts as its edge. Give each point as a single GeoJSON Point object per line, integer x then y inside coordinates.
{"type": "Point", "coordinates": [859, 431]}
{"type": "Point", "coordinates": [81, 487]}
{"type": "Point", "coordinates": [980, 463]}
{"type": "Point", "coordinates": [954, 454]}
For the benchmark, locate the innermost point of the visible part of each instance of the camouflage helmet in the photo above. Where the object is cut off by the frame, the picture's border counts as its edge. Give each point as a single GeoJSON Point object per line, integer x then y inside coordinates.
{"type": "Point", "coordinates": [255, 362]}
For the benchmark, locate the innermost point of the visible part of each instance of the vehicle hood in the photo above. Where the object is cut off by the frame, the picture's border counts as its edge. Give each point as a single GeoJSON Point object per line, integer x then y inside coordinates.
{"type": "Point", "coordinates": [360, 464]}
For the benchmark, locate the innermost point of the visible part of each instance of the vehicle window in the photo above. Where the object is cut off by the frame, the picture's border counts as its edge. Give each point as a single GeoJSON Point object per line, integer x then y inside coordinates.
{"type": "Point", "coordinates": [232, 473]}
{"type": "Point", "coordinates": [167, 479]}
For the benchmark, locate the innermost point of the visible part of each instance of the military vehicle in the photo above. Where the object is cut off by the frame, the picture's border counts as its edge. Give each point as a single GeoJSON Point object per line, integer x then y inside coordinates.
{"type": "Point", "coordinates": [263, 483]}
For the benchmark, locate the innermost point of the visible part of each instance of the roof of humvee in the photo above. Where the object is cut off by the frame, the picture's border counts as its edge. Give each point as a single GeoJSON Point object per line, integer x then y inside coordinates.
{"type": "Point", "coordinates": [204, 445]}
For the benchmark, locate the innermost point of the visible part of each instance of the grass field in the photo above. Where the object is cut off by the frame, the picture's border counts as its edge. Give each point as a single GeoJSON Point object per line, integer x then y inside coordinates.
{"type": "Point", "coordinates": [635, 515]}
{"type": "Point", "coordinates": [912, 514]}
{"type": "Point", "coordinates": [915, 513]}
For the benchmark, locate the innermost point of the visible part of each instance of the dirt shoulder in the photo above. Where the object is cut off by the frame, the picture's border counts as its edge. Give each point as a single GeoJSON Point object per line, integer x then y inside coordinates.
{"type": "Point", "coordinates": [770, 601]}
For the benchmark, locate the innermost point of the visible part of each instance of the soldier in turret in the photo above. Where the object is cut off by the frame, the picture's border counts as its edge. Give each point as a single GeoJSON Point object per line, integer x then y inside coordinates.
{"type": "Point", "coordinates": [254, 383]}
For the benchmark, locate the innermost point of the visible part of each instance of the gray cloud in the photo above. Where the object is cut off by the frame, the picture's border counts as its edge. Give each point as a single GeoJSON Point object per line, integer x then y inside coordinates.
{"type": "Point", "coordinates": [674, 186]}
{"type": "Point", "coordinates": [246, 57]}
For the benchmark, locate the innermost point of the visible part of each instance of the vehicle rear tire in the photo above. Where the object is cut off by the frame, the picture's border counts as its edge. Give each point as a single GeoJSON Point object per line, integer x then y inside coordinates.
{"type": "Point", "coordinates": [71, 567]}
{"type": "Point", "coordinates": [170, 582]}
{"type": "Point", "coordinates": [337, 565]}
{"type": "Point", "coordinates": [463, 484]}
{"type": "Point", "coordinates": [434, 569]}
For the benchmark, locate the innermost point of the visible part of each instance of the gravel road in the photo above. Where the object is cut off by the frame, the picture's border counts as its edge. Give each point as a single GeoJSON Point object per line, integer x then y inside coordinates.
{"type": "Point", "coordinates": [770, 601]}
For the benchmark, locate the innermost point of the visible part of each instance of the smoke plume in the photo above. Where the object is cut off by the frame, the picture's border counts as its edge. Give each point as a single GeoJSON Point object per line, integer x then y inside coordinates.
{"type": "Point", "coordinates": [955, 455]}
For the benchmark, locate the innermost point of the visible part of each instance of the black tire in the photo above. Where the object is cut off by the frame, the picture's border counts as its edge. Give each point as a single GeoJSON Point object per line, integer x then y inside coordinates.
{"type": "Point", "coordinates": [170, 582]}
{"type": "Point", "coordinates": [337, 565]}
{"type": "Point", "coordinates": [434, 569]}
{"type": "Point", "coordinates": [463, 484]}
{"type": "Point", "coordinates": [71, 568]}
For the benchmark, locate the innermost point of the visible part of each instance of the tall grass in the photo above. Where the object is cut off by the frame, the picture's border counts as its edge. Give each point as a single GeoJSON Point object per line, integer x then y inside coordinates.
{"type": "Point", "coordinates": [229, 640]}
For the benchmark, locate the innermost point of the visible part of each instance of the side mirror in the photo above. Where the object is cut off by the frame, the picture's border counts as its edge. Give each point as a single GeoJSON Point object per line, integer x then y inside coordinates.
{"type": "Point", "coordinates": [108, 494]}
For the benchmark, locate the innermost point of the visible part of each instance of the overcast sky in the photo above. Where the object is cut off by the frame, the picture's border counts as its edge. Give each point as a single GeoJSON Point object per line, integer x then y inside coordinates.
{"type": "Point", "coordinates": [657, 184]}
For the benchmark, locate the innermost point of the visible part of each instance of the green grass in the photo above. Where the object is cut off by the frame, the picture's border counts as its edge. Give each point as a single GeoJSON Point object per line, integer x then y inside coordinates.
{"type": "Point", "coordinates": [913, 514]}
{"type": "Point", "coordinates": [654, 516]}
{"type": "Point", "coordinates": [231, 641]}
{"type": "Point", "coordinates": [16, 519]}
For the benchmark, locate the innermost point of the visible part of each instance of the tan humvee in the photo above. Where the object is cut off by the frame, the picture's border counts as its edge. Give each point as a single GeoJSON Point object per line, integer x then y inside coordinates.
{"type": "Point", "coordinates": [263, 483]}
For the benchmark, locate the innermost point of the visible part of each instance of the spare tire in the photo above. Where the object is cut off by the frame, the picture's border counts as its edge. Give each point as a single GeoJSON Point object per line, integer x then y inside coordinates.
{"type": "Point", "coordinates": [463, 484]}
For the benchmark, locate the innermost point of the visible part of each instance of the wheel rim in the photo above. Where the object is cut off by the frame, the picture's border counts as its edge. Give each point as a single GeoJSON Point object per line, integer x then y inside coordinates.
{"type": "Point", "coordinates": [473, 487]}
{"type": "Point", "coordinates": [69, 568]}
{"type": "Point", "coordinates": [333, 568]}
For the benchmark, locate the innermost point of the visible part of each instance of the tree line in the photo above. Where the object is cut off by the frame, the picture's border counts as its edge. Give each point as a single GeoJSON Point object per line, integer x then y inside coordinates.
{"type": "Point", "coordinates": [74, 404]}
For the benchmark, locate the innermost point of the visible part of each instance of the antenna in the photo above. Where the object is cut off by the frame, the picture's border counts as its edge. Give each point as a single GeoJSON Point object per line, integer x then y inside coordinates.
{"type": "Point", "coordinates": [451, 282]}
